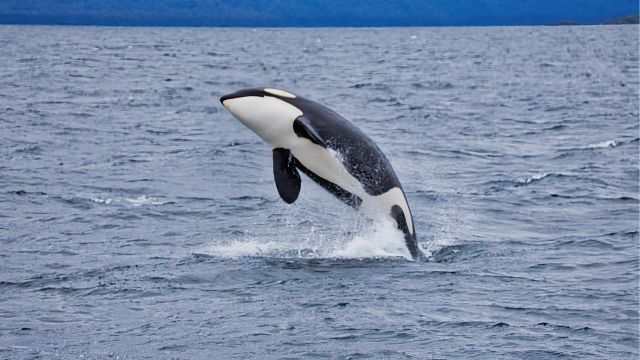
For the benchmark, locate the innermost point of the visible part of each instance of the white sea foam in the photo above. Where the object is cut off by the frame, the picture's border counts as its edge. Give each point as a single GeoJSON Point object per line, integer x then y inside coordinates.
{"type": "Point", "coordinates": [143, 200]}
{"type": "Point", "coordinates": [602, 145]}
{"type": "Point", "coordinates": [106, 201]}
{"type": "Point", "coordinates": [533, 178]}
{"type": "Point", "coordinates": [247, 247]}
{"type": "Point", "coordinates": [139, 201]}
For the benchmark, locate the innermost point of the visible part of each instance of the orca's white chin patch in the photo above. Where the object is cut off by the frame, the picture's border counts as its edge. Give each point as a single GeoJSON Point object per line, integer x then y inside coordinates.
{"type": "Point", "coordinates": [233, 105]}
{"type": "Point", "coordinates": [269, 117]}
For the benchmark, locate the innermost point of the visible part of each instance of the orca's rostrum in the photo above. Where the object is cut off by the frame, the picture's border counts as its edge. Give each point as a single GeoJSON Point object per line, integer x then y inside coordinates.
{"type": "Point", "coordinates": [310, 137]}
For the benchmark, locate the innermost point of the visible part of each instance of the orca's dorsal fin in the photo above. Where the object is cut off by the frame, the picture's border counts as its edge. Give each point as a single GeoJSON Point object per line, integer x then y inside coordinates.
{"type": "Point", "coordinates": [302, 127]}
{"type": "Point", "coordinates": [286, 175]}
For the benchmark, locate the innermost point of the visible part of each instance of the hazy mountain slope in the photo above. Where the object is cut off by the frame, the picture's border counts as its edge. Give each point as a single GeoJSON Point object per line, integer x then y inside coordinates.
{"type": "Point", "coordinates": [312, 12]}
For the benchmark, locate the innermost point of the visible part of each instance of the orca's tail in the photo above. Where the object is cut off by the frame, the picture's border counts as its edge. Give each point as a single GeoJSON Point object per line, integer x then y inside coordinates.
{"type": "Point", "coordinates": [409, 236]}
{"type": "Point", "coordinates": [412, 244]}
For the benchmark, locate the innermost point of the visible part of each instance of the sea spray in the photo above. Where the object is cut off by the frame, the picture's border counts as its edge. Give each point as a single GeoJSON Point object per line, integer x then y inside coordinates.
{"type": "Point", "coordinates": [382, 239]}
{"type": "Point", "coordinates": [379, 238]}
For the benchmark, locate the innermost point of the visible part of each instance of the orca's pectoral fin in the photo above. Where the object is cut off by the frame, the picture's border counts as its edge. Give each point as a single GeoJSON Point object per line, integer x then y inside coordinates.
{"type": "Point", "coordinates": [286, 175]}
{"type": "Point", "coordinates": [302, 127]}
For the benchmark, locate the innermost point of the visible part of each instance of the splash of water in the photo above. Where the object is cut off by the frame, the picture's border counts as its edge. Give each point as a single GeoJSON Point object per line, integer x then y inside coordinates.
{"type": "Point", "coordinates": [383, 239]}
{"type": "Point", "coordinates": [380, 238]}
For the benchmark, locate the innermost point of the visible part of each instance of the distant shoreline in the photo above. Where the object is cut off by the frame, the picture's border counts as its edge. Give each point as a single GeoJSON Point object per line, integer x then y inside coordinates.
{"type": "Point", "coordinates": [625, 20]}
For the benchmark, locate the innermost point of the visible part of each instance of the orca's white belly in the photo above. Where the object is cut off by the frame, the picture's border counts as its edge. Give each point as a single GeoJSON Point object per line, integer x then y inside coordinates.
{"type": "Point", "coordinates": [326, 164]}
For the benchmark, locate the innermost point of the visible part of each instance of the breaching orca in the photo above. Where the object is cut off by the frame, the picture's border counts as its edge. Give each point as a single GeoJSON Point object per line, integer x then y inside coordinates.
{"type": "Point", "coordinates": [310, 137]}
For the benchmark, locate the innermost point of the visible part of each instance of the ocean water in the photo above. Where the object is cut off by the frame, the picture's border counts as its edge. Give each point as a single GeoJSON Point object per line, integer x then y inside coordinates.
{"type": "Point", "coordinates": [139, 219]}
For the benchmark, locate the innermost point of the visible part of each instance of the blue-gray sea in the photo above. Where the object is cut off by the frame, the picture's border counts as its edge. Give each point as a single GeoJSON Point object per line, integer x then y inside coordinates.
{"type": "Point", "coordinates": [139, 219]}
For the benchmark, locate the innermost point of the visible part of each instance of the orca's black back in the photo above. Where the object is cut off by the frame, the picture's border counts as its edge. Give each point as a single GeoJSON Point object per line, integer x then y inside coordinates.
{"type": "Point", "coordinates": [360, 155]}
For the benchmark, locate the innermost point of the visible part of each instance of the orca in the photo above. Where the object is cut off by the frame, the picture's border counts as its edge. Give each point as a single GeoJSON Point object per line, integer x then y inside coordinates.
{"type": "Point", "coordinates": [307, 136]}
